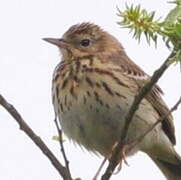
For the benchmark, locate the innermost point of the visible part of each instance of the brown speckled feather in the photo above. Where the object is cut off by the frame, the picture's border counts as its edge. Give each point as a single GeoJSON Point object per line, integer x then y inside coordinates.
{"type": "Point", "coordinates": [154, 97]}
{"type": "Point", "coordinates": [93, 89]}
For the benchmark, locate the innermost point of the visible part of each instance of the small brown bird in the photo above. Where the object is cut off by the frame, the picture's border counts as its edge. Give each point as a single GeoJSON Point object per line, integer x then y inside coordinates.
{"type": "Point", "coordinates": [93, 88]}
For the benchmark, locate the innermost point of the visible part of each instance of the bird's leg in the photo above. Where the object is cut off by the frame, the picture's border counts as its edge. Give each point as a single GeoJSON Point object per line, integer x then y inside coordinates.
{"type": "Point", "coordinates": [100, 168]}
{"type": "Point", "coordinates": [122, 158]}
{"type": "Point", "coordinates": [124, 151]}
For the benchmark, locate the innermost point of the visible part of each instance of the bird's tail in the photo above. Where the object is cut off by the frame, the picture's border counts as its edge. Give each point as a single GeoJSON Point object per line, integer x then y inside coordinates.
{"type": "Point", "coordinates": [172, 171]}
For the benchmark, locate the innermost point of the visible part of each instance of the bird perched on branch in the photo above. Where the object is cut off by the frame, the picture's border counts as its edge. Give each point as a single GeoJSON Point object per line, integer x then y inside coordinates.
{"type": "Point", "coordinates": [93, 88]}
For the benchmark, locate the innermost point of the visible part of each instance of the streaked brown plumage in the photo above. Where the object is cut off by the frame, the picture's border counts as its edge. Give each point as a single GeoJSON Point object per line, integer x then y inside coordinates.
{"type": "Point", "coordinates": [93, 88]}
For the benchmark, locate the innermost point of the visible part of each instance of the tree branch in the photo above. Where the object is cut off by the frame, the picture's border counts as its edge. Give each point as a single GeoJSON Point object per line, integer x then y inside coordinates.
{"type": "Point", "coordinates": [36, 139]}
{"type": "Point", "coordinates": [114, 160]}
{"type": "Point", "coordinates": [62, 147]}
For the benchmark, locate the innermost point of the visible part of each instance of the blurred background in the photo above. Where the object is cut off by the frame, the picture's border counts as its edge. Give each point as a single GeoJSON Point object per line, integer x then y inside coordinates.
{"type": "Point", "coordinates": [26, 67]}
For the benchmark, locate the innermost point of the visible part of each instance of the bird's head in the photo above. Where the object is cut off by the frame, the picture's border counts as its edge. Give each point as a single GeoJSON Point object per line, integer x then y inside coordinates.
{"type": "Point", "coordinates": [85, 39]}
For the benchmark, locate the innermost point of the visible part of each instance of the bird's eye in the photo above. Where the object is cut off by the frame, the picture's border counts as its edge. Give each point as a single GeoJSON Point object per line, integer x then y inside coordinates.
{"type": "Point", "coordinates": [85, 42]}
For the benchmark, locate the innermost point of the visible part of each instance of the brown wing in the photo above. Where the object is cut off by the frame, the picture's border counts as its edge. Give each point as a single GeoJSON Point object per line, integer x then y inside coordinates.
{"type": "Point", "coordinates": [154, 97]}
{"type": "Point", "coordinates": [157, 102]}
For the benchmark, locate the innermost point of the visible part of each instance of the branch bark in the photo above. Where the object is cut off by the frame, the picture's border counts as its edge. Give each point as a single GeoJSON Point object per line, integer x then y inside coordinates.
{"type": "Point", "coordinates": [114, 160]}
{"type": "Point", "coordinates": [62, 147]}
{"type": "Point", "coordinates": [36, 139]}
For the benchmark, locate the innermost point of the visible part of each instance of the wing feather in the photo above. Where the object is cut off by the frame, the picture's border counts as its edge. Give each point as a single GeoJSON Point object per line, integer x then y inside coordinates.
{"type": "Point", "coordinates": [130, 69]}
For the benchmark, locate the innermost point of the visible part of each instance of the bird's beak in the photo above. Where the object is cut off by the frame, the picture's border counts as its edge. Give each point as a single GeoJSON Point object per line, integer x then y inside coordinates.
{"type": "Point", "coordinates": [58, 42]}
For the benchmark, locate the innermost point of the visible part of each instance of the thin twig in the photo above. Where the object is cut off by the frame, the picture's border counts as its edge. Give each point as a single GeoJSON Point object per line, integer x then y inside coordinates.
{"type": "Point", "coordinates": [36, 139]}
{"type": "Point", "coordinates": [139, 139]}
{"type": "Point", "coordinates": [62, 147]}
{"type": "Point", "coordinates": [143, 92]}
{"type": "Point", "coordinates": [99, 169]}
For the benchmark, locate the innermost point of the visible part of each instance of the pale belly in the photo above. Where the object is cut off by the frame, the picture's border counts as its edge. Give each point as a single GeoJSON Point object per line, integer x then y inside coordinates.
{"type": "Point", "coordinates": [95, 120]}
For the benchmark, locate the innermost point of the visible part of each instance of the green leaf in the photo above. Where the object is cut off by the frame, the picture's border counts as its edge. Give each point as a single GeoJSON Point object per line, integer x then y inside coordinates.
{"type": "Point", "coordinates": [78, 179]}
{"type": "Point", "coordinates": [173, 16]}
{"type": "Point", "coordinates": [178, 30]}
{"type": "Point", "coordinates": [139, 21]}
{"type": "Point", "coordinates": [57, 138]}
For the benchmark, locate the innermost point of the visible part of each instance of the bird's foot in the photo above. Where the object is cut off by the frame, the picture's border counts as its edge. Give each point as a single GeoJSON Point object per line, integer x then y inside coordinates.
{"type": "Point", "coordinates": [122, 158]}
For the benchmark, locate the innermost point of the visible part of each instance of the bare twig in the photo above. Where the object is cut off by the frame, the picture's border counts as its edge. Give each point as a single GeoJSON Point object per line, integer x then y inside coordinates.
{"type": "Point", "coordinates": [62, 147]}
{"type": "Point", "coordinates": [143, 92]}
{"type": "Point", "coordinates": [139, 139]}
{"type": "Point", "coordinates": [36, 139]}
{"type": "Point", "coordinates": [99, 169]}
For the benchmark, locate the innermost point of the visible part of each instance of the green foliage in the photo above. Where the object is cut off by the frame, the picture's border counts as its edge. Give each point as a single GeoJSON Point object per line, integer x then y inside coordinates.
{"type": "Point", "coordinates": [141, 22]}
{"type": "Point", "coordinates": [78, 179]}
{"type": "Point", "coordinates": [172, 26]}
{"type": "Point", "coordinates": [58, 138]}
